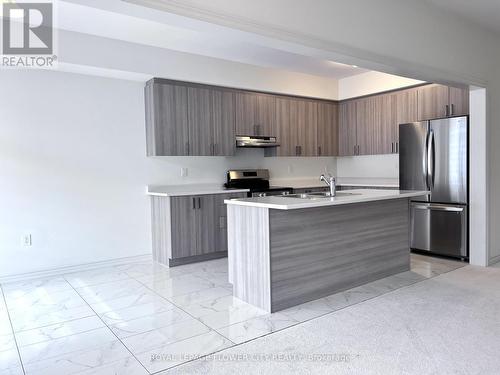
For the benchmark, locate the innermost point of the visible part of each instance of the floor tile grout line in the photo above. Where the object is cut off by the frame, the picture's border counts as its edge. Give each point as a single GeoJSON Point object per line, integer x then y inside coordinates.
{"type": "Point", "coordinates": [12, 331]}
{"type": "Point", "coordinates": [112, 332]}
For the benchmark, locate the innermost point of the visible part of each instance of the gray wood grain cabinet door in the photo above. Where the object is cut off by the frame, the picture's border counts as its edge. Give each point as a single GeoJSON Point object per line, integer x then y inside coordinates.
{"type": "Point", "coordinates": [223, 112]}
{"type": "Point", "coordinates": [220, 219]}
{"type": "Point", "coordinates": [286, 127]}
{"type": "Point", "coordinates": [200, 121]}
{"type": "Point", "coordinates": [406, 111]}
{"type": "Point", "coordinates": [347, 128]}
{"type": "Point", "coordinates": [385, 117]}
{"type": "Point", "coordinates": [328, 129]}
{"type": "Point", "coordinates": [185, 224]}
{"type": "Point", "coordinates": [246, 104]}
{"type": "Point", "coordinates": [307, 127]}
{"type": "Point", "coordinates": [367, 121]}
{"type": "Point", "coordinates": [206, 227]}
{"type": "Point", "coordinates": [459, 101]}
{"type": "Point", "coordinates": [433, 102]}
{"type": "Point", "coordinates": [166, 120]}
{"type": "Point", "coordinates": [255, 114]}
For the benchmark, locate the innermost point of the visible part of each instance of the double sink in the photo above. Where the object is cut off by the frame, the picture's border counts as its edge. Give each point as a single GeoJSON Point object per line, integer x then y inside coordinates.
{"type": "Point", "coordinates": [321, 195]}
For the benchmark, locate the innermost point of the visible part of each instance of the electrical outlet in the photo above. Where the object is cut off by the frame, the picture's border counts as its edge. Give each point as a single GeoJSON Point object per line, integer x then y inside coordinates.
{"type": "Point", "coordinates": [184, 172]}
{"type": "Point", "coordinates": [26, 240]}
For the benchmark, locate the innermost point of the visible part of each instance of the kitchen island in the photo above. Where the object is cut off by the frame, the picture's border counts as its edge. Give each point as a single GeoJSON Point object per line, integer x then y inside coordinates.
{"type": "Point", "coordinates": [284, 251]}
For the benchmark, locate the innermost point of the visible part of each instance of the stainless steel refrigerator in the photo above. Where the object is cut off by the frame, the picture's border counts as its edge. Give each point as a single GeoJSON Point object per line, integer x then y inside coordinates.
{"type": "Point", "coordinates": [433, 156]}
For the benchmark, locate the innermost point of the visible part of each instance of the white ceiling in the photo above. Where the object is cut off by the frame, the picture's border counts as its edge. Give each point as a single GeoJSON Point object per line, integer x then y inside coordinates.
{"type": "Point", "coordinates": [485, 13]}
{"type": "Point", "coordinates": [128, 22]}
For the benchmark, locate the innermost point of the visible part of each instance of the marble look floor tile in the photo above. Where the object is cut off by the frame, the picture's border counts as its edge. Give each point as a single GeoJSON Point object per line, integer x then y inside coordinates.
{"type": "Point", "coordinates": [9, 359]}
{"type": "Point", "coordinates": [112, 290]}
{"type": "Point", "coordinates": [49, 285]}
{"type": "Point", "coordinates": [78, 361]}
{"type": "Point", "coordinates": [95, 277]}
{"type": "Point", "coordinates": [235, 314]}
{"type": "Point", "coordinates": [59, 330]}
{"type": "Point", "coordinates": [149, 323]}
{"type": "Point", "coordinates": [308, 310]}
{"type": "Point", "coordinates": [165, 335]}
{"type": "Point", "coordinates": [154, 270]}
{"type": "Point", "coordinates": [18, 370]}
{"type": "Point", "coordinates": [7, 342]}
{"type": "Point", "coordinates": [200, 296]}
{"type": "Point", "coordinates": [180, 285]}
{"type": "Point", "coordinates": [20, 302]}
{"type": "Point", "coordinates": [164, 357]}
{"type": "Point", "coordinates": [5, 327]}
{"type": "Point", "coordinates": [430, 266]}
{"type": "Point", "coordinates": [257, 327]}
{"type": "Point", "coordinates": [126, 366]}
{"type": "Point", "coordinates": [144, 296]}
{"type": "Point", "coordinates": [134, 312]}
{"type": "Point", "coordinates": [65, 345]}
{"type": "Point", "coordinates": [37, 318]}
{"type": "Point", "coordinates": [224, 303]}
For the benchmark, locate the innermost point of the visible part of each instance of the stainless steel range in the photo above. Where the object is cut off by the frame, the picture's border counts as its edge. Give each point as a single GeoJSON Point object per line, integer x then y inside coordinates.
{"type": "Point", "coordinates": [257, 180]}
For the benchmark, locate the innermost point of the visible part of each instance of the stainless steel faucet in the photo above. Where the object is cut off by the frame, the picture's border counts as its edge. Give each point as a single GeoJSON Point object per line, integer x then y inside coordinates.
{"type": "Point", "coordinates": [330, 181]}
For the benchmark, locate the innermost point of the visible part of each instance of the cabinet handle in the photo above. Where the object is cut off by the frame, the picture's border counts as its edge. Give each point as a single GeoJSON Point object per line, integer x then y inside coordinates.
{"type": "Point", "coordinates": [187, 148]}
{"type": "Point", "coordinates": [397, 147]}
{"type": "Point", "coordinates": [300, 150]}
{"type": "Point", "coordinates": [354, 153]}
{"type": "Point", "coordinates": [199, 203]}
{"type": "Point", "coordinates": [447, 110]}
{"type": "Point", "coordinates": [216, 148]}
{"type": "Point", "coordinates": [392, 147]}
{"type": "Point", "coordinates": [452, 109]}
{"type": "Point", "coordinates": [211, 149]}
{"type": "Point", "coordinates": [194, 203]}
{"type": "Point", "coordinates": [319, 150]}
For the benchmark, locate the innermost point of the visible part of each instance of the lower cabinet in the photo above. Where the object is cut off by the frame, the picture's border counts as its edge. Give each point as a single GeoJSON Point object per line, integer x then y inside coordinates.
{"type": "Point", "coordinates": [187, 229]}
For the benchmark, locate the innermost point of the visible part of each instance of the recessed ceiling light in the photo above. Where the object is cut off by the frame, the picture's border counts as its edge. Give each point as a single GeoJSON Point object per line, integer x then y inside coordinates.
{"type": "Point", "coordinates": [354, 66]}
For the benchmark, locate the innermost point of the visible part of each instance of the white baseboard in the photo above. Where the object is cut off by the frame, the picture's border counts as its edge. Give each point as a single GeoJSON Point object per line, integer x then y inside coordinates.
{"type": "Point", "coordinates": [76, 268]}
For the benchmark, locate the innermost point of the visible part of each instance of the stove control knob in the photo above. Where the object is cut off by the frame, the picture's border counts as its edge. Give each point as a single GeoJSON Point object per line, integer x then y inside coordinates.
{"type": "Point", "coordinates": [262, 194]}
{"type": "Point", "coordinates": [285, 193]}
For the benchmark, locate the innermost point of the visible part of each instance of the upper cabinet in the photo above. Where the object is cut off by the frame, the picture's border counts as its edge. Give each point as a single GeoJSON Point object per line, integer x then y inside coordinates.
{"type": "Point", "coordinates": [328, 129]}
{"type": "Point", "coordinates": [437, 101]}
{"type": "Point", "coordinates": [189, 120]}
{"type": "Point", "coordinates": [347, 128]}
{"type": "Point", "coordinates": [166, 120]}
{"type": "Point", "coordinates": [370, 125]}
{"type": "Point", "coordinates": [255, 114]}
{"type": "Point", "coordinates": [298, 130]}
{"type": "Point", "coordinates": [193, 119]}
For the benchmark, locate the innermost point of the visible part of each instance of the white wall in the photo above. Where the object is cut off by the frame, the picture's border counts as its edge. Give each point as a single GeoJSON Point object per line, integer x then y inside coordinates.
{"type": "Point", "coordinates": [73, 170]}
{"type": "Point", "coordinates": [371, 83]}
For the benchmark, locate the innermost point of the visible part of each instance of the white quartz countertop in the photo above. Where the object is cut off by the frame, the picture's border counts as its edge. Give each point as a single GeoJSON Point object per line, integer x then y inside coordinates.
{"type": "Point", "coordinates": [190, 189]}
{"type": "Point", "coordinates": [357, 196]}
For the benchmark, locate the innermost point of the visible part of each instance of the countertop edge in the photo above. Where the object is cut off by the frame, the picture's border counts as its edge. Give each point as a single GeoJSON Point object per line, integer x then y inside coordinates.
{"type": "Point", "coordinates": [317, 204]}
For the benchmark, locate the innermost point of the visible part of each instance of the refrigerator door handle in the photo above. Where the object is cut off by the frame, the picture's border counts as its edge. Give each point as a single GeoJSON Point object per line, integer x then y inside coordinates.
{"type": "Point", "coordinates": [430, 160]}
{"type": "Point", "coordinates": [425, 162]}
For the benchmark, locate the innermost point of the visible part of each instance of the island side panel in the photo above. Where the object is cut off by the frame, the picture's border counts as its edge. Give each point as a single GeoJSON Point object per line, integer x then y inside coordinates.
{"type": "Point", "coordinates": [248, 254]}
{"type": "Point", "coordinates": [316, 252]}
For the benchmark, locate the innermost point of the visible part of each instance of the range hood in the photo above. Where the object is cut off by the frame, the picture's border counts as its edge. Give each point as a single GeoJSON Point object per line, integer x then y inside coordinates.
{"type": "Point", "coordinates": [256, 141]}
